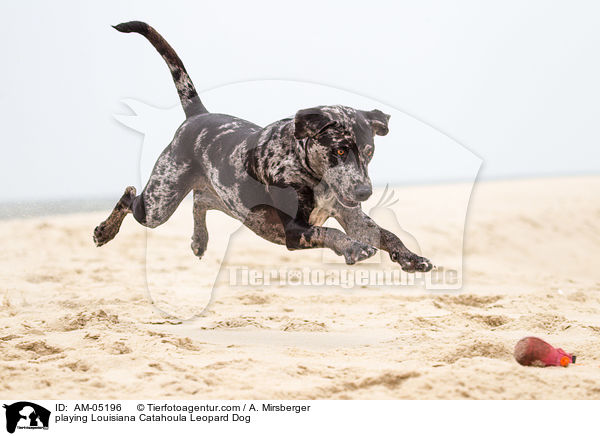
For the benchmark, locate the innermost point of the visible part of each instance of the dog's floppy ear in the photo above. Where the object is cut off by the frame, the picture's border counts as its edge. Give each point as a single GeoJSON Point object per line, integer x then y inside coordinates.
{"type": "Point", "coordinates": [378, 121]}
{"type": "Point", "coordinates": [309, 122]}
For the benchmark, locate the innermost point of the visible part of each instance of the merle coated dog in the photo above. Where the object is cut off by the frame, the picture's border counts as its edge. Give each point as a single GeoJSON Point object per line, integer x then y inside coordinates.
{"type": "Point", "coordinates": [282, 181]}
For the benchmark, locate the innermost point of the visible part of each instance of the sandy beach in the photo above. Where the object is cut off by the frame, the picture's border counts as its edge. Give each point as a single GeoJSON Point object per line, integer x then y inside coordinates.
{"type": "Point", "coordinates": [121, 321]}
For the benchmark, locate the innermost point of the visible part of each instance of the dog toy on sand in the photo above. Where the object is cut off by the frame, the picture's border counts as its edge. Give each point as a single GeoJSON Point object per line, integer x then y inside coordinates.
{"type": "Point", "coordinates": [531, 351]}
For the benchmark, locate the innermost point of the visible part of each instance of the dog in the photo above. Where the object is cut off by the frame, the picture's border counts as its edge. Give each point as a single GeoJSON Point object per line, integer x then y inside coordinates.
{"type": "Point", "coordinates": [282, 181]}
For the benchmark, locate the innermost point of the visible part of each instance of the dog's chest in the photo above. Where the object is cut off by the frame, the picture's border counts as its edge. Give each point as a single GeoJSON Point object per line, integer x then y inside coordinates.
{"type": "Point", "coordinates": [324, 207]}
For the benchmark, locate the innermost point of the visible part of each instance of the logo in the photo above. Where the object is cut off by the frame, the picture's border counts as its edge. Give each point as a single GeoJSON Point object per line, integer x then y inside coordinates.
{"type": "Point", "coordinates": [26, 415]}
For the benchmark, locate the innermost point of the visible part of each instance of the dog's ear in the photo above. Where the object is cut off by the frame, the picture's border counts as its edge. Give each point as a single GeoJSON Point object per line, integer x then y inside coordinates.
{"type": "Point", "coordinates": [309, 122]}
{"type": "Point", "coordinates": [378, 121]}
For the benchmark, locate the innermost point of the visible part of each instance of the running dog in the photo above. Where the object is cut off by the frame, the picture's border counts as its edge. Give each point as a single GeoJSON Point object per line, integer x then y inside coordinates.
{"type": "Point", "coordinates": [282, 181]}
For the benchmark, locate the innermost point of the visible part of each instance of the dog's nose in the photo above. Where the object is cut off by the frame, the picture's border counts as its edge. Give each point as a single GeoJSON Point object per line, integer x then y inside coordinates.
{"type": "Point", "coordinates": [362, 192]}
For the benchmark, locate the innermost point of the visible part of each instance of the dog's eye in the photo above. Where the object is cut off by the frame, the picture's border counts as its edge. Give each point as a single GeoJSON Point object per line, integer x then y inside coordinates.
{"type": "Point", "coordinates": [341, 152]}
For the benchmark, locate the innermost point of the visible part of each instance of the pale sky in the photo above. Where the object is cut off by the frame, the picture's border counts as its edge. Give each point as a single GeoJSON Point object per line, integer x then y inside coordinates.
{"type": "Point", "coordinates": [515, 82]}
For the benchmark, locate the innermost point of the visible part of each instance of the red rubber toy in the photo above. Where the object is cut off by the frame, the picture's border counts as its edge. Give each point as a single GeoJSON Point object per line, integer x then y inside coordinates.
{"type": "Point", "coordinates": [532, 351]}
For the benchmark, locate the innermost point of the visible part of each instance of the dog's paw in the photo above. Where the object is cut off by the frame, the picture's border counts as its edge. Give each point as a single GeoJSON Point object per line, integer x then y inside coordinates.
{"type": "Point", "coordinates": [410, 262]}
{"type": "Point", "coordinates": [357, 251]}
{"type": "Point", "coordinates": [108, 229]}
{"type": "Point", "coordinates": [198, 248]}
{"type": "Point", "coordinates": [103, 234]}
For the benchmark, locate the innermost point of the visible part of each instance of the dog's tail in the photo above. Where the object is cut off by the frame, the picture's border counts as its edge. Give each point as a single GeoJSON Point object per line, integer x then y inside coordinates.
{"type": "Point", "coordinates": [187, 93]}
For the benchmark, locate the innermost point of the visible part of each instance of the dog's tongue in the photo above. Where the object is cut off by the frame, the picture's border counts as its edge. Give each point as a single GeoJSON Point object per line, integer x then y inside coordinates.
{"type": "Point", "coordinates": [531, 351]}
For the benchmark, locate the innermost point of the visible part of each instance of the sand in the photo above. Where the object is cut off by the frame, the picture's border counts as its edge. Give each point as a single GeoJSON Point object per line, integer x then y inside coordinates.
{"type": "Point", "coordinates": [78, 321]}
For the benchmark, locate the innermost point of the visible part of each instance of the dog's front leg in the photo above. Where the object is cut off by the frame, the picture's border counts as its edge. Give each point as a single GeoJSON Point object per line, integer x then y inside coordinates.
{"type": "Point", "coordinates": [300, 235]}
{"type": "Point", "coordinates": [293, 206]}
{"type": "Point", "coordinates": [358, 225]}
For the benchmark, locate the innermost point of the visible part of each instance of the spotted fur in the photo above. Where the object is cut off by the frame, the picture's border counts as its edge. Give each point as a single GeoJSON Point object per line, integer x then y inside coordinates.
{"type": "Point", "coordinates": [187, 92]}
{"type": "Point", "coordinates": [282, 181]}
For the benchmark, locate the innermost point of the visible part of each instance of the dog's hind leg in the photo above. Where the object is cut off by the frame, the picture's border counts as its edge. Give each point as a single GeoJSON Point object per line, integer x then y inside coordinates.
{"type": "Point", "coordinates": [109, 228]}
{"type": "Point", "coordinates": [171, 180]}
{"type": "Point", "coordinates": [200, 236]}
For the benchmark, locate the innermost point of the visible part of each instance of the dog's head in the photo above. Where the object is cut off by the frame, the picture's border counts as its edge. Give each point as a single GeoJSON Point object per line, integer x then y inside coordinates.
{"type": "Point", "coordinates": [339, 146]}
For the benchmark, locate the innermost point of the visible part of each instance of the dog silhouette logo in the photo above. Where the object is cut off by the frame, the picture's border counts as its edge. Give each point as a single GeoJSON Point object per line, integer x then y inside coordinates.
{"type": "Point", "coordinates": [26, 415]}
